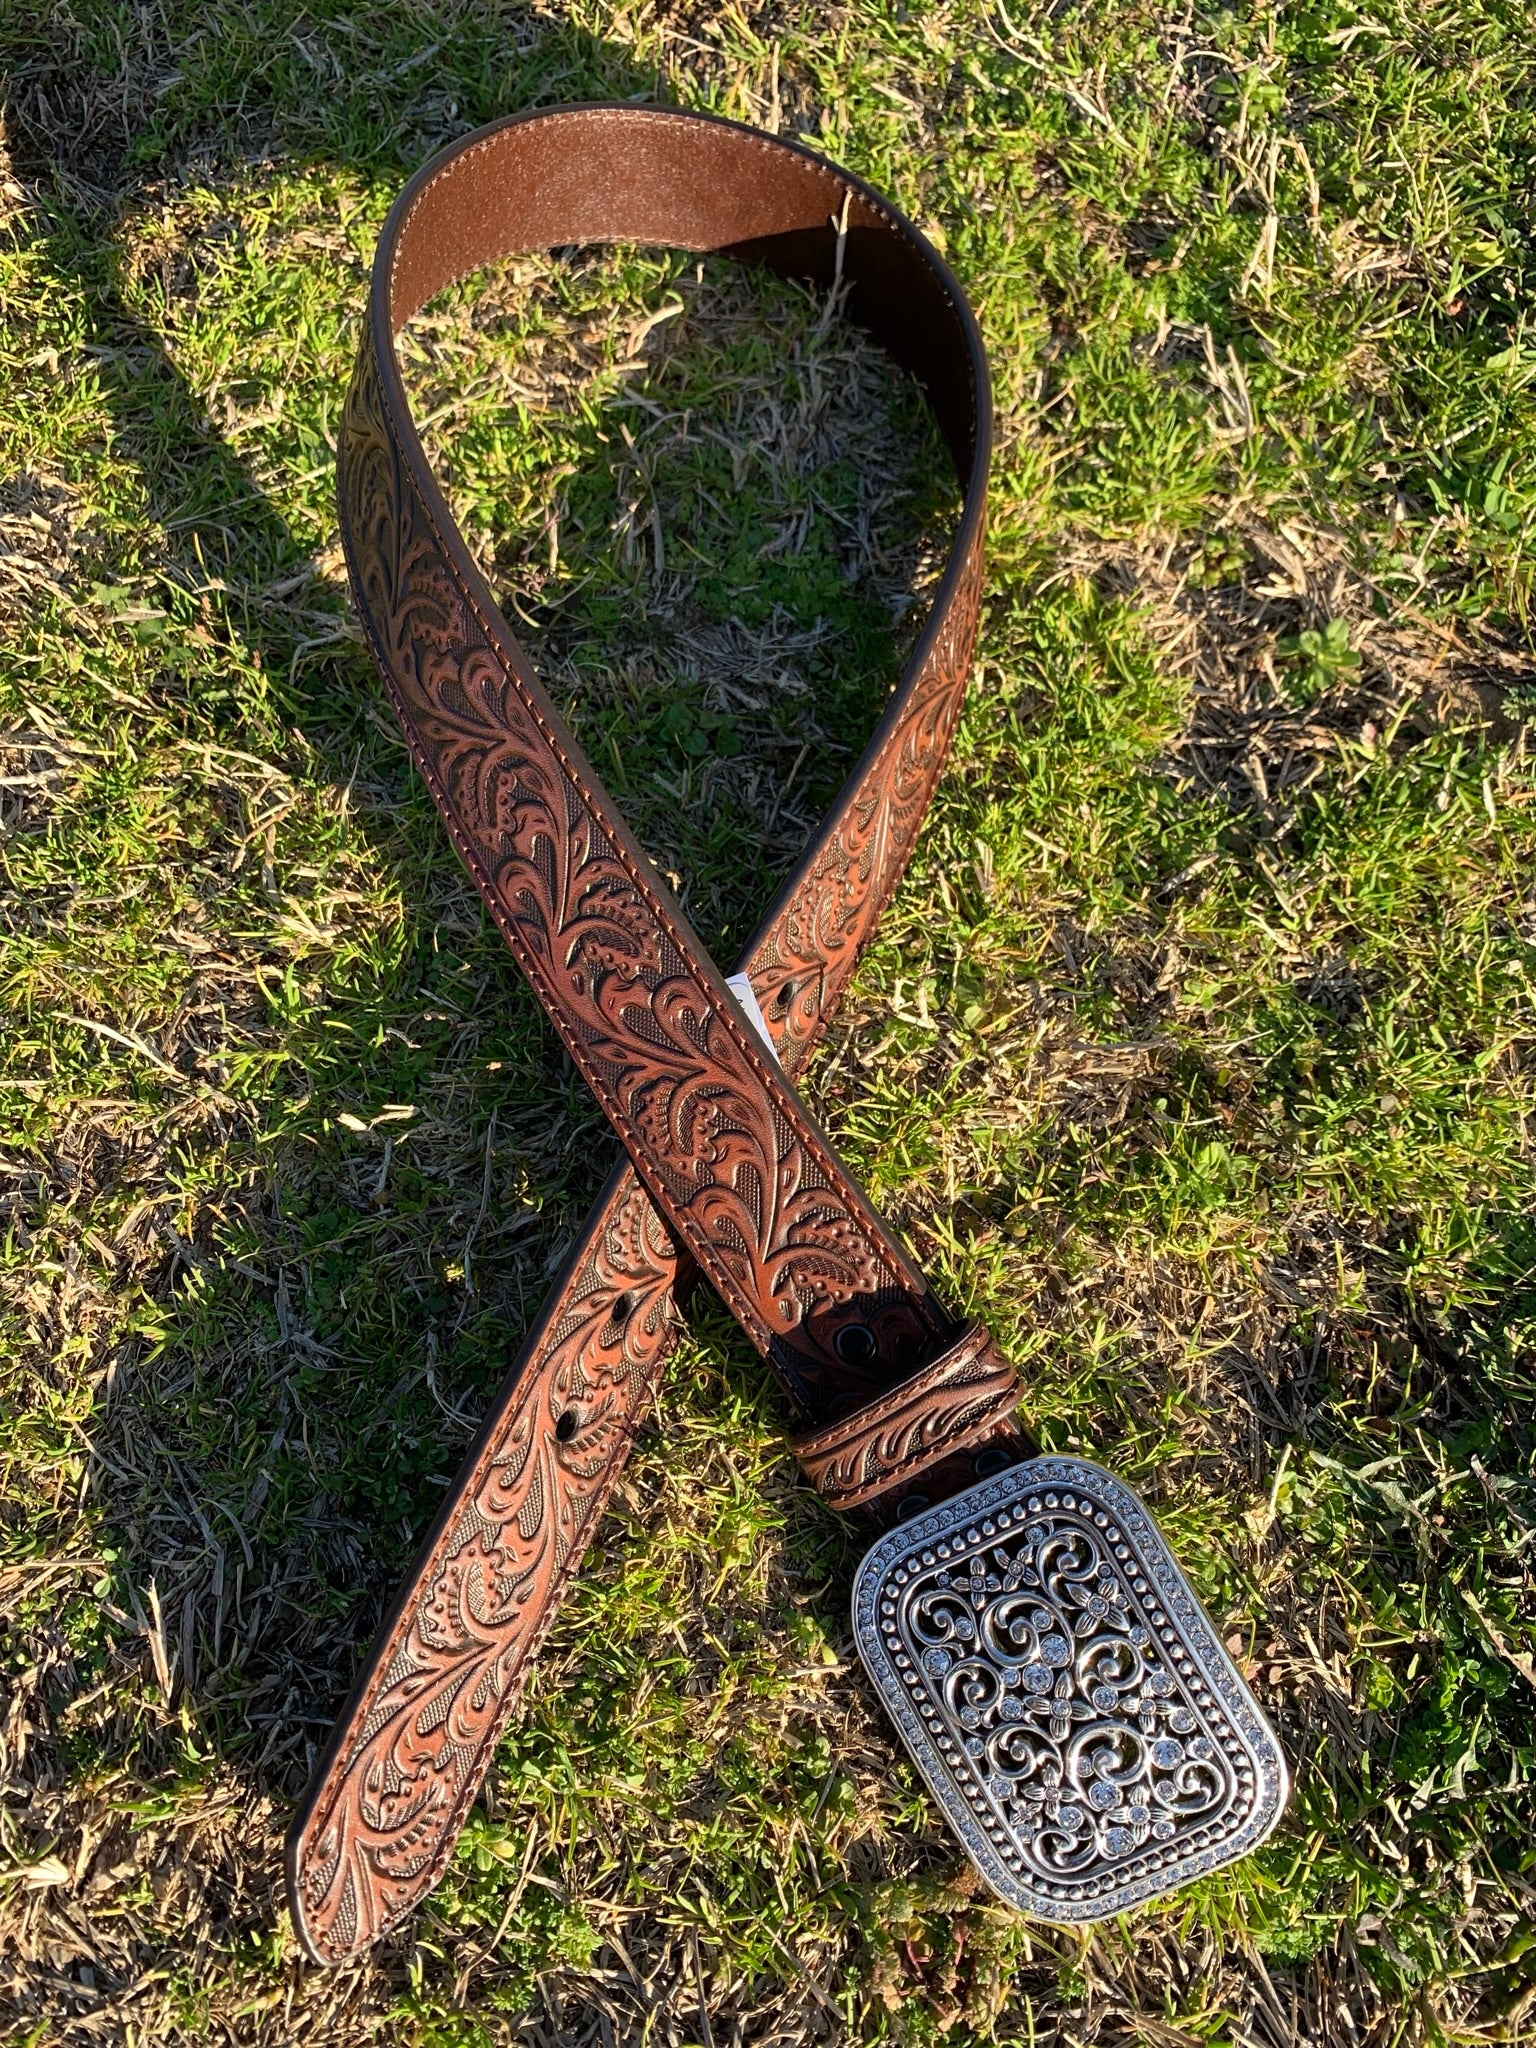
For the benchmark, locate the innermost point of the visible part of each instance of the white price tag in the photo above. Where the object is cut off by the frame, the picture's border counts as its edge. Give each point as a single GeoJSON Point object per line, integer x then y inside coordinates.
{"type": "Point", "coordinates": [741, 989]}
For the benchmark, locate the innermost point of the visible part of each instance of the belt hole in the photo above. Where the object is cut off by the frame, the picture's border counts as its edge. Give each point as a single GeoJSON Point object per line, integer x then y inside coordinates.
{"type": "Point", "coordinates": [566, 1425]}
{"type": "Point", "coordinates": [854, 1343]}
{"type": "Point", "coordinates": [912, 1505]}
{"type": "Point", "coordinates": [623, 1309]}
{"type": "Point", "coordinates": [990, 1463]}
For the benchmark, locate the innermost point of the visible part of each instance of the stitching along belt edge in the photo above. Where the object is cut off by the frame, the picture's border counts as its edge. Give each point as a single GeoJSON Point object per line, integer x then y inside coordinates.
{"type": "Point", "coordinates": [1067, 1700]}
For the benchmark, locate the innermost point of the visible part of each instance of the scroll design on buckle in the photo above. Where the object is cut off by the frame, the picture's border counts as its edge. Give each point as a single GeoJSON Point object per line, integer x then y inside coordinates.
{"type": "Point", "coordinates": [957, 1400]}
{"type": "Point", "coordinates": [1064, 1694]}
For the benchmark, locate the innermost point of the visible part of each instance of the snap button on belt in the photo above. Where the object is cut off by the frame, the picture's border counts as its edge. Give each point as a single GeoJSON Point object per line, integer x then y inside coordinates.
{"type": "Point", "coordinates": [1065, 1697]}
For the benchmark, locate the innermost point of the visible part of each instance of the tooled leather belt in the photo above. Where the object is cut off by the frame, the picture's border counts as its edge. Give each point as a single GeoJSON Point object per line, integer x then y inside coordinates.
{"type": "Point", "coordinates": [1059, 1687]}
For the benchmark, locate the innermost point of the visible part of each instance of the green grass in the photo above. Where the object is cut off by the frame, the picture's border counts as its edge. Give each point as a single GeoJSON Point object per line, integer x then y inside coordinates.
{"type": "Point", "coordinates": [1196, 1053]}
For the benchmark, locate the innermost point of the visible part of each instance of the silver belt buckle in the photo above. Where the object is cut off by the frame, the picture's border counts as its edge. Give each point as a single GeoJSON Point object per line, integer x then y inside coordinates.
{"type": "Point", "coordinates": [1064, 1693]}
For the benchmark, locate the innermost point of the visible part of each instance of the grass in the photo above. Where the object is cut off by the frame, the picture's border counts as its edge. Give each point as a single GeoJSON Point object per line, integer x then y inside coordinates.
{"type": "Point", "coordinates": [1196, 1053]}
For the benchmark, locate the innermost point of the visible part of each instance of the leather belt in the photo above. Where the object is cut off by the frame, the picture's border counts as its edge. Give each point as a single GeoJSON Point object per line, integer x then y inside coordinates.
{"type": "Point", "coordinates": [1061, 1690]}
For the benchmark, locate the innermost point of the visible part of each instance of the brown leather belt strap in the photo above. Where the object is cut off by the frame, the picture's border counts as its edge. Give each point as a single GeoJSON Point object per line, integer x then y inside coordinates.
{"type": "Point", "coordinates": [728, 1173]}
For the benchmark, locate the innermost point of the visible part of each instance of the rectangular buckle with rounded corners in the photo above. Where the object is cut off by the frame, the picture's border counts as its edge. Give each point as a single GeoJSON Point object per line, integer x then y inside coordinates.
{"type": "Point", "coordinates": [1064, 1693]}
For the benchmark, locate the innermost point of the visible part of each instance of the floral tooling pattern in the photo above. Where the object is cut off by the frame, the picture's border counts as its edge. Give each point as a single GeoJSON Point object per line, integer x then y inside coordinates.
{"type": "Point", "coordinates": [722, 1141]}
{"type": "Point", "coordinates": [414, 1743]}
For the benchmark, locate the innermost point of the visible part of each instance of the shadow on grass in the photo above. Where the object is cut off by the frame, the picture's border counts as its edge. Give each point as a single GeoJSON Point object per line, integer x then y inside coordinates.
{"type": "Point", "coordinates": [266, 1573]}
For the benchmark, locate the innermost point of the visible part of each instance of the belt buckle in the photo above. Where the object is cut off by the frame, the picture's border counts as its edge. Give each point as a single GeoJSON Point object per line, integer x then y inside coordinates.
{"type": "Point", "coordinates": [1064, 1693]}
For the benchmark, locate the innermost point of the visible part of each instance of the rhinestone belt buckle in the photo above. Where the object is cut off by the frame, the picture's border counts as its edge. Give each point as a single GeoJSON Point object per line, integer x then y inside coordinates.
{"type": "Point", "coordinates": [1064, 1694]}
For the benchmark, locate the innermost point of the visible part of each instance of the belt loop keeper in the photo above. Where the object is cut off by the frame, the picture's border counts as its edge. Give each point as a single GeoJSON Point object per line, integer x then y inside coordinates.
{"type": "Point", "coordinates": [958, 1399]}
